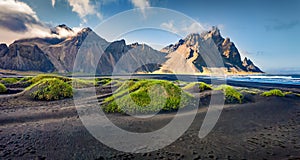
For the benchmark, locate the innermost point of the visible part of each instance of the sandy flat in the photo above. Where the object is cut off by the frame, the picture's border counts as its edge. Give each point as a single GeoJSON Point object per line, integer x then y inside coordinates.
{"type": "Point", "coordinates": [267, 128]}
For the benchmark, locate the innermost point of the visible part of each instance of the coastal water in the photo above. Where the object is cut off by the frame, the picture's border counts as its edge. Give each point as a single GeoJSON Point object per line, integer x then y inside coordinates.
{"type": "Point", "coordinates": [268, 78]}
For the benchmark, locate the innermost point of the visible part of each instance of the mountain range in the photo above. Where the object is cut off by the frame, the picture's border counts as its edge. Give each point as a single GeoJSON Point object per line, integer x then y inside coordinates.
{"type": "Point", "coordinates": [197, 53]}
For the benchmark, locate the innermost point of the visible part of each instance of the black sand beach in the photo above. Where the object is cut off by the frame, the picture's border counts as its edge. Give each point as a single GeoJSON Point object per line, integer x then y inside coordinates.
{"type": "Point", "coordinates": [265, 128]}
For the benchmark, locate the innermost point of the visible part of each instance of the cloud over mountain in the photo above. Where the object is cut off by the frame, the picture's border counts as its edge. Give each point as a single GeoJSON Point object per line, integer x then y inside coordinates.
{"type": "Point", "coordinates": [18, 20]}
{"type": "Point", "coordinates": [17, 16]}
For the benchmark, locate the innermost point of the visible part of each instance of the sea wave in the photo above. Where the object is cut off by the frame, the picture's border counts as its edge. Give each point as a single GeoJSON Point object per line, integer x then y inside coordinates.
{"type": "Point", "coordinates": [278, 79]}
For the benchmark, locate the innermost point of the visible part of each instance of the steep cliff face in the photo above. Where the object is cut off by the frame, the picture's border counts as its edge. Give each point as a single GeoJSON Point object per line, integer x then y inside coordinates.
{"type": "Point", "coordinates": [63, 54]}
{"type": "Point", "coordinates": [120, 58]}
{"type": "Point", "coordinates": [197, 47]}
{"type": "Point", "coordinates": [56, 53]}
{"type": "Point", "coordinates": [249, 66]}
{"type": "Point", "coordinates": [84, 48]}
{"type": "Point", "coordinates": [24, 57]}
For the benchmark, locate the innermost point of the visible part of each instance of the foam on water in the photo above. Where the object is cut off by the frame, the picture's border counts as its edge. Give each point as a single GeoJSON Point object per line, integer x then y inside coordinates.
{"type": "Point", "coordinates": [276, 79]}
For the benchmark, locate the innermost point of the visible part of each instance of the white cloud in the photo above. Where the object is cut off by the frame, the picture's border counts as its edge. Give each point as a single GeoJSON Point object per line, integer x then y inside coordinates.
{"type": "Point", "coordinates": [13, 6]}
{"type": "Point", "coordinates": [18, 21]}
{"type": "Point", "coordinates": [169, 26]}
{"type": "Point", "coordinates": [84, 8]}
{"type": "Point", "coordinates": [53, 3]}
{"type": "Point", "coordinates": [184, 28]}
{"type": "Point", "coordinates": [195, 27]}
{"type": "Point", "coordinates": [141, 4]}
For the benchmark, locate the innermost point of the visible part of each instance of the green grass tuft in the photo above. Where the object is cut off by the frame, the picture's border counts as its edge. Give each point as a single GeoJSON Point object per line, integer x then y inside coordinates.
{"type": "Point", "coordinates": [297, 94]}
{"type": "Point", "coordinates": [25, 79]}
{"type": "Point", "coordinates": [82, 83]}
{"type": "Point", "coordinates": [113, 83]}
{"type": "Point", "coordinates": [231, 94]}
{"type": "Point", "coordinates": [3, 89]}
{"type": "Point", "coordinates": [274, 92]}
{"type": "Point", "coordinates": [203, 86]}
{"type": "Point", "coordinates": [43, 76]}
{"type": "Point", "coordinates": [288, 93]}
{"type": "Point", "coordinates": [103, 81]}
{"type": "Point", "coordinates": [9, 80]}
{"type": "Point", "coordinates": [146, 96]}
{"type": "Point", "coordinates": [200, 85]}
{"type": "Point", "coordinates": [75, 82]}
{"type": "Point", "coordinates": [51, 89]}
{"type": "Point", "coordinates": [252, 91]}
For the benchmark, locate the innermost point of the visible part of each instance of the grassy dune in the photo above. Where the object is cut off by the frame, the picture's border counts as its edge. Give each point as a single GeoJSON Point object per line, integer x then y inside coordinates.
{"type": "Point", "coordinates": [145, 96]}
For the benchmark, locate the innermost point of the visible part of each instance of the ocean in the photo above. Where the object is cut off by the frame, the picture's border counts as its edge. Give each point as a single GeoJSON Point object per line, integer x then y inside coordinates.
{"type": "Point", "coordinates": [268, 78]}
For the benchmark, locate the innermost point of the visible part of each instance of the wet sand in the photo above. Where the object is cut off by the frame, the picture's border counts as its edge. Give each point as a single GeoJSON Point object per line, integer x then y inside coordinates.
{"type": "Point", "coordinates": [266, 128]}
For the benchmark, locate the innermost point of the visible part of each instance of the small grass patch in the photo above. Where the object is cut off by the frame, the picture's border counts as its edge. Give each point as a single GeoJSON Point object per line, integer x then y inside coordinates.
{"type": "Point", "coordinates": [274, 92]}
{"type": "Point", "coordinates": [43, 76]}
{"type": "Point", "coordinates": [51, 89]}
{"type": "Point", "coordinates": [9, 80]}
{"type": "Point", "coordinates": [114, 83]}
{"type": "Point", "coordinates": [252, 91]}
{"type": "Point", "coordinates": [288, 93]}
{"type": "Point", "coordinates": [103, 81]}
{"type": "Point", "coordinates": [231, 94]}
{"type": "Point", "coordinates": [82, 83]}
{"type": "Point", "coordinates": [198, 85]}
{"type": "Point", "coordinates": [297, 94]}
{"type": "Point", "coordinates": [3, 89]}
{"type": "Point", "coordinates": [146, 96]}
{"type": "Point", "coordinates": [25, 79]}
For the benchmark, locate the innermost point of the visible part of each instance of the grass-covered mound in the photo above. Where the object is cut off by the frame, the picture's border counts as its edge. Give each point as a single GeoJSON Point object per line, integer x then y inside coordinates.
{"type": "Point", "coordinates": [51, 89]}
{"type": "Point", "coordinates": [252, 91]}
{"type": "Point", "coordinates": [82, 83]}
{"type": "Point", "coordinates": [75, 82]}
{"type": "Point", "coordinates": [113, 83]}
{"type": "Point", "coordinates": [134, 97]}
{"type": "Point", "coordinates": [2, 88]}
{"type": "Point", "coordinates": [9, 80]}
{"type": "Point", "coordinates": [197, 86]}
{"type": "Point", "coordinates": [103, 81]}
{"type": "Point", "coordinates": [46, 76]}
{"type": "Point", "coordinates": [274, 92]}
{"type": "Point", "coordinates": [231, 94]}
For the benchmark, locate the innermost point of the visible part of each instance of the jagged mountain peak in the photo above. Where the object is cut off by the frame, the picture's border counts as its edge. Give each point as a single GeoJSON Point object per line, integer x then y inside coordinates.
{"type": "Point", "coordinates": [64, 27]}
{"type": "Point", "coordinates": [249, 65]}
{"type": "Point", "coordinates": [215, 31]}
{"type": "Point", "coordinates": [62, 30]}
{"type": "Point", "coordinates": [247, 61]}
{"type": "Point", "coordinates": [192, 39]}
{"type": "Point", "coordinates": [191, 49]}
{"type": "Point", "coordinates": [87, 29]}
{"type": "Point", "coordinates": [3, 46]}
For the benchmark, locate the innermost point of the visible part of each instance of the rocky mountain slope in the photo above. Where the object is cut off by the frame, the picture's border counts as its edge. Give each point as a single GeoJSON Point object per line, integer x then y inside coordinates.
{"type": "Point", "coordinates": [194, 52]}
{"type": "Point", "coordinates": [84, 48]}
{"type": "Point", "coordinates": [59, 54]}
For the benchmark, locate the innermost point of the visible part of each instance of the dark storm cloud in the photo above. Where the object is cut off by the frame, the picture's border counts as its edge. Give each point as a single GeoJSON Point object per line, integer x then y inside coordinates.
{"type": "Point", "coordinates": [17, 16]}
{"type": "Point", "coordinates": [17, 22]}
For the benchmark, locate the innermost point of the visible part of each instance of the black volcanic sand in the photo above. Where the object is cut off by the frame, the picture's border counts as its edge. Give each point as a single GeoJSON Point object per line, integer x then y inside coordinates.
{"type": "Point", "coordinates": [268, 128]}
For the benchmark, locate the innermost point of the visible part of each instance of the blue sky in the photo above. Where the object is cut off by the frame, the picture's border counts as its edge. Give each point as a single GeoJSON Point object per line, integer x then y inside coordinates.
{"type": "Point", "coordinates": [267, 31]}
